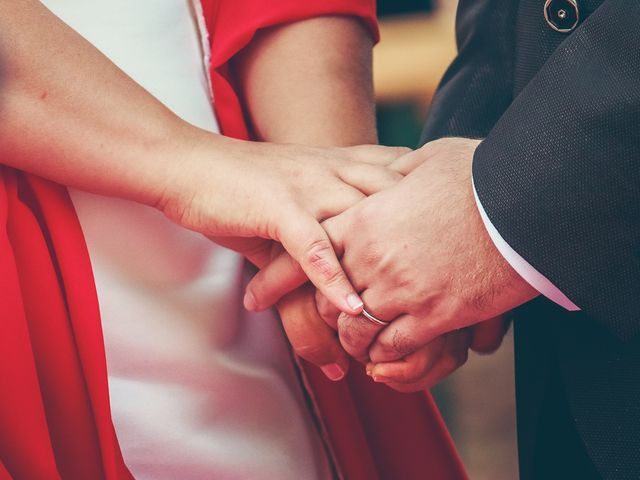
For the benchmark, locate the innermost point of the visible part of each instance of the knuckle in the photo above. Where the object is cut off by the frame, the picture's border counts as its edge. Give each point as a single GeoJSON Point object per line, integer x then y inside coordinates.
{"type": "Point", "coordinates": [348, 338]}
{"type": "Point", "coordinates": [353, 337]}
{"type": "Point", "coordinates": [402, 344]}
{"type": "Point", "coordinates": [387, 349]}
{"type": "Point", "coordinates": [405, 279]}
{"type": "Point", "coordinates": [318, 256]}
{"type": "Point", "coordinates": [365, 214]}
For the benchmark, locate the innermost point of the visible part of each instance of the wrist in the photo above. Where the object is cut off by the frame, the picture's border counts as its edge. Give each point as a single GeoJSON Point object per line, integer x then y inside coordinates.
{"type": "Point", "coordinates": [198, 178]}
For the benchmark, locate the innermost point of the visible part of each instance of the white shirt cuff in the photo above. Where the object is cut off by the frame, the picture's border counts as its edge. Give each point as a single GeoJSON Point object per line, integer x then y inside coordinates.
{"type": "Point", "coordinates": [529, 274]}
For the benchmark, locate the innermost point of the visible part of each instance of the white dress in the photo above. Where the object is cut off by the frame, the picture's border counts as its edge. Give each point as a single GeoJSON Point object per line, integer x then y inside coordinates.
{"type": "Point", "coordinates": [200, 389]}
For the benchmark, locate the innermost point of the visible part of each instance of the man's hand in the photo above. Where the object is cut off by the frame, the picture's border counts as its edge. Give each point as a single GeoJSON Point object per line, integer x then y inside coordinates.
{"type": "Point", "coordinates": [421, 257]}
{"type": "Point", "coordinates": [434, 362]}
{"type": "Point", "coordinates": [310, 337]}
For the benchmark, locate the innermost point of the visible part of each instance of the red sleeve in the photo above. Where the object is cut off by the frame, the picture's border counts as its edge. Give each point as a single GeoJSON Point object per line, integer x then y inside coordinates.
{"type": "Point", "coordinates": [233, 23]}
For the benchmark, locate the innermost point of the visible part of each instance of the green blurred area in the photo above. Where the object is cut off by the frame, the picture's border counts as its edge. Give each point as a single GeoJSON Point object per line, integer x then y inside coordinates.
{"type": "Point", "coordinates": [400, 124]}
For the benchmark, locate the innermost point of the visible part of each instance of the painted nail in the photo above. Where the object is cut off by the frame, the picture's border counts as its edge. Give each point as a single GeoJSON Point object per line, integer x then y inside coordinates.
{"type": "Point", "coordinates": [249, 301]}
{"type": "Point", "coordinates": [333, 372]}
{"type": "Point", "coordinates": [354, 301]}
{"type": "Point", "coordinates": [380, 379]}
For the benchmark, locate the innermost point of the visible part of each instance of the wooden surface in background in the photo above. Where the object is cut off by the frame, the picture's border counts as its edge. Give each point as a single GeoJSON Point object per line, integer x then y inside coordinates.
{"type": "Point", "coordinates": [413, 54]}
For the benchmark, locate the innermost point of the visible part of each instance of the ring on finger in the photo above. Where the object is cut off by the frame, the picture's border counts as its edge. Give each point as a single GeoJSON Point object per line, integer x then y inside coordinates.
{"type": "Point", "coordinates": [373, 318]}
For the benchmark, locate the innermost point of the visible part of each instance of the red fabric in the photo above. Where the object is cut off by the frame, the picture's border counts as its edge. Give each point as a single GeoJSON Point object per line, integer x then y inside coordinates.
{"type": "Point", "coordinates": [55, 420]}
{"type": "Point", "coordinates": [54, 417]}
{"type": "Point", "coordinates": [232, 24]}
{"type": "Point", "coordinates": [373, 431]}
{"type": "Point", "coordinates": [377, 433]}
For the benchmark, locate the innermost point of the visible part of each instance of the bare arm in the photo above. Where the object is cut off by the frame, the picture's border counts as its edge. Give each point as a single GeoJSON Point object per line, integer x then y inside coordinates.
{"type": "Point", "coordinates": [70, 115]}
{"type": "Point", "coordinates": [296, 92]}
{"type": "Point", "coordinates": [310, 82]}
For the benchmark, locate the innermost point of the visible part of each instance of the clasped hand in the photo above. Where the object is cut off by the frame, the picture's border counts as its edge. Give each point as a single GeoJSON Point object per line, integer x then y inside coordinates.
{"type": "Point", "coordinates": [422, 260]}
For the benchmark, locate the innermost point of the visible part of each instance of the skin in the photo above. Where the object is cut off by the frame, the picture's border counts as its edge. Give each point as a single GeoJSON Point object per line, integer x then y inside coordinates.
{"type": "Point", "coordinates": [428, 294]}
{"type": "Point", "coordinates": [329, 101]}
{"type": "Point", "coordinates": [70, 115]}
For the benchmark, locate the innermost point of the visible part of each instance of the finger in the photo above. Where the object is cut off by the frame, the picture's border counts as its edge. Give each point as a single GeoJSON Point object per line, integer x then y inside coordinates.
{"type": "Point", "coordinates": [280, 277]}
{"type": "Point", "coordinates": [403, 336]}
{"type": "Point", "coordinates": [357, 333]}
{"type": "Point", "coordinates": [408, 332]}
{"type": "Point", "coordinates": [486, 337]}
{"type": "Point", "coordinates": [310, 337]}
{"type": "Point", "coordinates": [431, 362]}
{"type": "Point", "coordinates": [377, 154]}
{"type": "Point", "coordinates": [337, 201]}
{"type": "Point", "coordinates": [443, 367]}
{"type": "Point", "coordinates": [409, 162]}
{"type": "Point", "coordinates": [409, 369]}
{"type": "Point", "coordinates": [367, 178]}
{"type": "Point", "coordinates": [284, 274]}
{"type": "Point", "coordinates": [309, 244]}
{"type": "Point", "coordinates": [328, 312]}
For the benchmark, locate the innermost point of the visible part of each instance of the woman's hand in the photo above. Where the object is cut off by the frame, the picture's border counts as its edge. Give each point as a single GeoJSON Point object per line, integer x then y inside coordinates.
{"type": "Point", "coordinates": [230, 188]}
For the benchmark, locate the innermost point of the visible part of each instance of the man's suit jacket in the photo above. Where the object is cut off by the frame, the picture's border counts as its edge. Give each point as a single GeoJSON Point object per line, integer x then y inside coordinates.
{"type": "Point", "coordinates": [558, 175]}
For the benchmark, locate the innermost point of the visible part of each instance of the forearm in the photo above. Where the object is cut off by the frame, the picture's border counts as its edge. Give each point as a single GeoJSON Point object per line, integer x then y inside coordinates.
{"type": "Point", "coordinates": [69, 114]}
{"type": "Point", "coordinates": [310, 82]}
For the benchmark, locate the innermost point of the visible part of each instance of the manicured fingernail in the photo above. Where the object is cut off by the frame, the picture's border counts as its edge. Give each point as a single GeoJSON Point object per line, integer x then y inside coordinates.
{"type": "Point", "coordinates": [250, 301]}
{"type": "Point", "coordinates": [354, 301]}
{"type": "Point", "coordinates": [380, 379]}
{"type": "Point", "coordinates": [368, 372]}
{"type": "Point", "coordinates": [333, 372]}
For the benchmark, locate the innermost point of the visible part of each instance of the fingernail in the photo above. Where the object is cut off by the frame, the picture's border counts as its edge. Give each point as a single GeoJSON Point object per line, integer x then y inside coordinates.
{"type": "Point", "coordinates": [249, 301]}
{"type": "Point", "coordinates": [380, 379]}
{"type": "Point", "coordinates": [369, 372]}
{"type": "Point", "coordinates": [354, 301]}
{"type": "Point", "coordinates": [333, 372]}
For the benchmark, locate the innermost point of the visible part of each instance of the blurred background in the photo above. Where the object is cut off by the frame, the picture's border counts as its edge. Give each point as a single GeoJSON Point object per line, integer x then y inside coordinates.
{"type": "Point", "coordinates": [478, 401]}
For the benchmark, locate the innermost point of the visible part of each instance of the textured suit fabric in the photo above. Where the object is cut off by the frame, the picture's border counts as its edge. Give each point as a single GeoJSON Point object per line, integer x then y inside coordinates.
{"type": "Point", "coordinates": [559, 177]}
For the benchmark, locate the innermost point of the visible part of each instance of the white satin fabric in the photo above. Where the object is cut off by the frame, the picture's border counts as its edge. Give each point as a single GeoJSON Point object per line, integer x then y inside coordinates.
{"type": "Point", "coordinates": [199, 388]}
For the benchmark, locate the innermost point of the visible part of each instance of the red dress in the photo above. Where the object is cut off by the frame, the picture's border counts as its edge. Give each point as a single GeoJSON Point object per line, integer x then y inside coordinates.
{"type": "Point", "coordinates": [55, 417]}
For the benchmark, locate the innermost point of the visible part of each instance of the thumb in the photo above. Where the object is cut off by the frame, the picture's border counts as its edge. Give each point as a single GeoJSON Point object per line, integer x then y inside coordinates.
{"type": "Point", "coordinates": [310, 248]}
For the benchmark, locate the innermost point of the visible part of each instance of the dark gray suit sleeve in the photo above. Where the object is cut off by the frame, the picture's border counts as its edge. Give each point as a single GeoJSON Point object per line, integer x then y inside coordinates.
{"type": "Point", "coordinates": [559, 174]}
